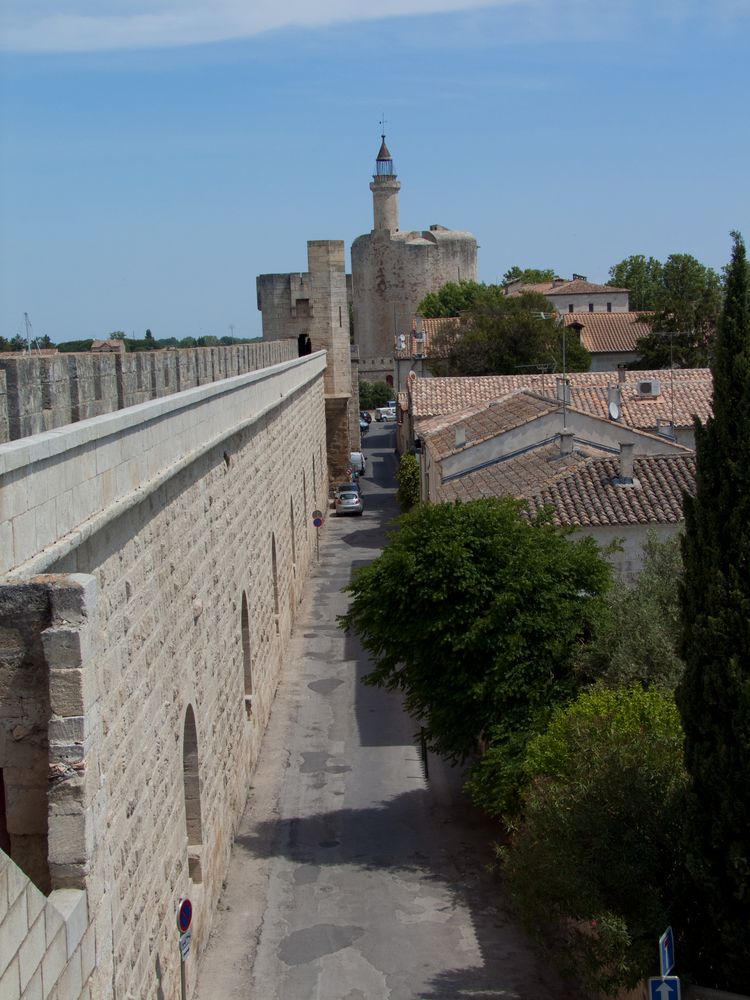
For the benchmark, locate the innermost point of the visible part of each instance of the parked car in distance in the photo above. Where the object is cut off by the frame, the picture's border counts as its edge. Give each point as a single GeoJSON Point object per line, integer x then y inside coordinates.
{"type": "Point", "coordinates": [389, 414]}
{"type": "Point", "coordinates": [346, 488]}
{"type": "Point", "coordinates": [349, 502]}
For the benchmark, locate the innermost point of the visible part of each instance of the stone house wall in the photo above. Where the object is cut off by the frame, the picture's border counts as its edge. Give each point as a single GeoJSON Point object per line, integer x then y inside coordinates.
{"type": "Point", "coordinates": [167, 573]}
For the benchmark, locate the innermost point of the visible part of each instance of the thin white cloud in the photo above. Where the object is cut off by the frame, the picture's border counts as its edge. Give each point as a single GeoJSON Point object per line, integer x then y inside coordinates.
{"type": "Point", "coordinates": [85, 26]}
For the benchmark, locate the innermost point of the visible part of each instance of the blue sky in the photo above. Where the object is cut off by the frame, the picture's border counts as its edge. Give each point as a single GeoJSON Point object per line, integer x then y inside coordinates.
{"type": "Point", "coordinates": [156, 155]}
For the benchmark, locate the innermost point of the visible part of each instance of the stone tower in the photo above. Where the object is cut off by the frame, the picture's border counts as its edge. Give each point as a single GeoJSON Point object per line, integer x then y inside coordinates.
{"type": "Point", "coordinates": [393, 270]}
{"type": "Point", "coordinates": [315, 304]}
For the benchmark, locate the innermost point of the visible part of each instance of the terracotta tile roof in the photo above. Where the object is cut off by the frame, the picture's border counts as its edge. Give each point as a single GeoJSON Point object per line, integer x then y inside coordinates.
{"type": "Point", "coordinates": [575, 287]}
{"type": "Point", "coordinates": [602, 332]}
{"type": "Point", "coordinates": [430, 329]}
{"type": "Point", "coordinates": [684, 393]}
{"type": "Point", "coordinates": [484, 420]}
{"type": "Point", "coordinates": [519, 476]}
{"type": "Point", "coordinates": [589, 494]}
{"type": "Point", "coordinates": [580, 287]}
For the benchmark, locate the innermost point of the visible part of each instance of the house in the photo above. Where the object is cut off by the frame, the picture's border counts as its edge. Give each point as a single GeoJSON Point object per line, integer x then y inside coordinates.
{"type": "Point", "coordinates": [602, 479]}
{"type": "Point", "coordinates": [577, 295]}
{"type": "Point", "coordinates": [609, 337]}
{"type": "Point", "coordinates": [655, 402]}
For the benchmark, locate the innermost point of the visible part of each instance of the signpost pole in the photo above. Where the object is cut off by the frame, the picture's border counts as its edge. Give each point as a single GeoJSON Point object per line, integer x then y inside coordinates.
{"type": "Point", "coordinates": [317, 519]}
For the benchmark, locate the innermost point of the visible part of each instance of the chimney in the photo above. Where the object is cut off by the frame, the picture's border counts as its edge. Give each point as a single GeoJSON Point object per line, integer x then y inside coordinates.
{"type": "Point", "coordinates": [567, 439]}
{"type": "Point", "coordinates": [626, 464]}
{"type": "Point", "coordinates": [621, 373]}
{"type": "Point", "coordinates": [460, 435]}
{"type": "Point", "coordinates": [580, 277]}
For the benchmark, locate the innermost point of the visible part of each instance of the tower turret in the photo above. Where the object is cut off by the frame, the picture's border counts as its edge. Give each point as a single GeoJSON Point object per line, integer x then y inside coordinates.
{"type": "Point", "coordinates": [385, 188]}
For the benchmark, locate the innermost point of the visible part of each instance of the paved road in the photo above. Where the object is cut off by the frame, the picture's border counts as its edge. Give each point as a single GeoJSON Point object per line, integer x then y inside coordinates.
{"type": "Point", "coordinates": [353, 878]}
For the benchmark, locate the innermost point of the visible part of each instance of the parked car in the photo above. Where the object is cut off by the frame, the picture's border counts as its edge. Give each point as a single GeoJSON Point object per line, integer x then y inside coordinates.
{"type": "Point", "coordinates": [389, 414]}
{"type": "Point", "coordinates": [365, 415]}
{"type": "Point", "coordinates": [346, 488]}
{"type": "Point", "coordinates": [349, 502]}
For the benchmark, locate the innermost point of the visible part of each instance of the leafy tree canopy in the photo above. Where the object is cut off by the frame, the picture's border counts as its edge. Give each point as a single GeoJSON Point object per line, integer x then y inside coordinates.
{"type": "Point", "coordinates": [529, 275]}
{"type": "Point", "coordinates": [374, 394]}
{"type": "Point", "coordinates": [407, 477]}
{"type": "Point", "coordinates": [501, 334]}
{"type": "Point", "coordinates": [683, 299]}
{"type": "Point", "coordinates": [453, 299]}
{"type": "Point", "coordinates": [591, 864]}
{"type": "Point", "coordinates": [637, 638]}
{"type": "Point", "coordinates": [473, 611]}
{"type": "Point", "coordinates": [642, 277]}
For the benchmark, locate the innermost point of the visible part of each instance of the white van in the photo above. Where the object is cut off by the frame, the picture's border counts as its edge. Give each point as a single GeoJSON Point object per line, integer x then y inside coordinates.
{"type": "Point", "coordinates": [357, 462]}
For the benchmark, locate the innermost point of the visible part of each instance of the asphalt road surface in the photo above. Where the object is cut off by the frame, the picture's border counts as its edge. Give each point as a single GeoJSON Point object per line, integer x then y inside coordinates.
{"type": "Point", "coordinates": [353, 877]}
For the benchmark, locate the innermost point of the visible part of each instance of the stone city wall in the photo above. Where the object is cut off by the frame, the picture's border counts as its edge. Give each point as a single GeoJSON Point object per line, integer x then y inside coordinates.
{"type": "Point", "coordinates": [166, 548]}
{"type": "Point", "coordinates": [47, 391]}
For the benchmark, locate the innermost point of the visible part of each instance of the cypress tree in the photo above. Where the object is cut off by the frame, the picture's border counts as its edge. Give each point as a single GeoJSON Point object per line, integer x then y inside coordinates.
{"type": "Point", "coordinates": [714, 696]}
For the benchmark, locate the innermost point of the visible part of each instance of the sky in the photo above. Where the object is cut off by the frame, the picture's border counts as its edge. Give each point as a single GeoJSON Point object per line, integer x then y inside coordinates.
{"type": "Point", "coordinates": [157, 155]}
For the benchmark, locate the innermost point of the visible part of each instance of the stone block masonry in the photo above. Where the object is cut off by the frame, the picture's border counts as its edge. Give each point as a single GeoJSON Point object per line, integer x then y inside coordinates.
{"type": "Point", "coordinates": [165, 578]}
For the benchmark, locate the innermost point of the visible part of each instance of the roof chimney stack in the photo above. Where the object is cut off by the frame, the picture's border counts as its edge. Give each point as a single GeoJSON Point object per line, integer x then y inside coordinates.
{"type": "Point", "coordinates": [626, 464]}
{"type": "Point", "coordinates": [567, 439]}
{"type": "Point", "coordinates": [621, 373]}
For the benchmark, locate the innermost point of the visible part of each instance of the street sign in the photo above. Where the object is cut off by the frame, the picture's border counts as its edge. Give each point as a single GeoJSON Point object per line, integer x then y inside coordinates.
{"type": "Point", "coordinates": [317, 513]}
{"type": "Point", "coordinates": [184, 915]}
{"type": "Point", "coordinates": [666, 952]}
{"type": "Point", "coordinates": [664, 988]}
{"type": "Point", "coordinates": [185, 940]}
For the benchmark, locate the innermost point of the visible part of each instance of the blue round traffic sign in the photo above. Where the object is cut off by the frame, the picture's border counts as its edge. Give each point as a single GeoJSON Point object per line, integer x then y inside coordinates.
{"type": "Point", "coordinates": [317, 521]}
{"type": "Point", "coordinates": [184, 914]}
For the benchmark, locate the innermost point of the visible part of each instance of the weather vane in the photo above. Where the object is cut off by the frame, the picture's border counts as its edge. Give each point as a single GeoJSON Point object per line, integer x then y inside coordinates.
{"type": "Point", "coordinates": [382, 124]}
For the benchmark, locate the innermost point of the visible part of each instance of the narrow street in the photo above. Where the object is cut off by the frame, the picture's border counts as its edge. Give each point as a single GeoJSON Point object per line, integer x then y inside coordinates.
{"type": "Point", "coordinates": [353, 877]}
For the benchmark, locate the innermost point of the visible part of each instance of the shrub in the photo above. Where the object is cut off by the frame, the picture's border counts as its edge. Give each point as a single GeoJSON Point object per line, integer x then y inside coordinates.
{"type": "Point", "coordinates": [591, 863]}
{"type": "Point", "coordinates": [408, 482]}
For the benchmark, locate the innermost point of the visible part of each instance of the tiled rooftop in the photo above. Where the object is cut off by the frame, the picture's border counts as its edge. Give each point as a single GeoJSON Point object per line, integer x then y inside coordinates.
{"type": "Point", "coordinates": [602, 331]}
{"type": "Point", "coordinates": [684, 393]}
{"type": "Point", "coordinates": [519, 476]}
{"type": "Point", "coordinates": [590, 495]}
{"type": "Point", "coordinates": [577, 286]}
{"type": "Point", "coordinates": [484, 420]}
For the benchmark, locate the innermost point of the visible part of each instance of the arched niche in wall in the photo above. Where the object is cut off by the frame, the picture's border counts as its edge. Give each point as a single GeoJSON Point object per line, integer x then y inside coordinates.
{"type": "Point", "coordinates": [192, 795]}
{"type": "Point", "coordinates": [275, 579]}
{"type": "Point", "coordinates": [291, 528]}
{"type": "Point", "coordinates": [247, 661]}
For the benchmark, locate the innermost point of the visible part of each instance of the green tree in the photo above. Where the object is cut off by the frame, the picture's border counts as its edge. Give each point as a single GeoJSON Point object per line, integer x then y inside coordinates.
{"type": "Point", "coordinates": [453, 299]}
{"type": "Point", "coordinates": [407, 478]}
{"type": "Point", "coordinates": [503, 334]}
{"type": "Point", "coordinates": [643, 277]}
{"type": "Point", "coordinates": [714, 697]}
{"type": "Point", "coordinates": [684, 321]}
{"type": "Point", "coordinates": [116, 335]}
{"type": "Point", "coordinates": [591, 863]}
{"type": "Point", "coordinates": [374, 394]}
{"type": "Point", "coordinates": [473, 611]}
{"type": "Point", "coordinates": [529, 275]}
{"type": "Point", "coordinates": [637, 638]}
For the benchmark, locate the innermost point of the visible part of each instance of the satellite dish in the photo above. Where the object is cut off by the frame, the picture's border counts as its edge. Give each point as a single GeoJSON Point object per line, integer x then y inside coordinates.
{"type": "Point", "coordinates": [614, 410]}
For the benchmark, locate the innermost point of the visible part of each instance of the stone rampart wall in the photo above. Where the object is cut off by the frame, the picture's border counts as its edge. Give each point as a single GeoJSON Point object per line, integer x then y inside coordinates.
{"type": "Point", "coordinates": [183, 527]}
{"type": "Point", "coordinates": [48, 391]}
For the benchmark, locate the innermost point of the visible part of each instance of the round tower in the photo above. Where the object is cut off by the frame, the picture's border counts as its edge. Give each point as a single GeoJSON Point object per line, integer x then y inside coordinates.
{"type": "Point", "coordinates": [385, 188]}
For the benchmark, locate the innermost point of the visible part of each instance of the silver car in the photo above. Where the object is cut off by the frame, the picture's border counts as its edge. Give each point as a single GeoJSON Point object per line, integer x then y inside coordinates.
{"type": "Point", "coordinates": [349, 502]}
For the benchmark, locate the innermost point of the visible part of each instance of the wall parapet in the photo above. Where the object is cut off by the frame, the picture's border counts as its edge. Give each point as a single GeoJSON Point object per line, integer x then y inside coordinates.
{"type": "Point", "coordinates": [57, 487]}
{"type": "Point", "coordinates": [39, 392]}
